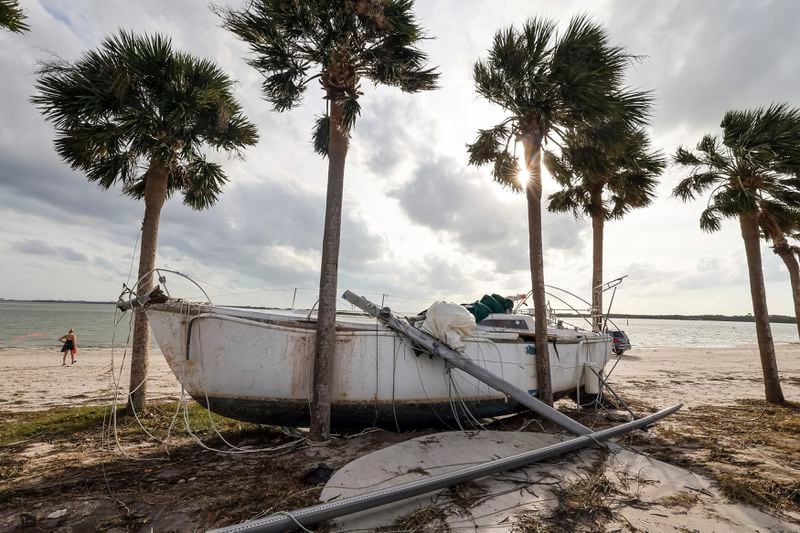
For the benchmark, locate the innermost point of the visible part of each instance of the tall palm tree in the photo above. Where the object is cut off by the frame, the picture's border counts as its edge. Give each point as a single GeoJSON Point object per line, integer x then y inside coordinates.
{"type": "Point", "coordinates": [605, 171]}
{"type": "Point", "coordinates": [12, 17]}
{"type": "Point", "coordinates": [547, 84]}
{"type": "Point", "coordinates": [138, 114]}
{"type": "Point", "coordinates": [339, 44]}
{"type": "Point", "coordinates": [777, 228]}
{"type": "Point", "coordinates": [752, 170]}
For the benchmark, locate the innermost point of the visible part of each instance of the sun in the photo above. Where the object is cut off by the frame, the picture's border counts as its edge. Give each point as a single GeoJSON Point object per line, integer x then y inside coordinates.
{"type": "Point", "coordinates": [522, 175]}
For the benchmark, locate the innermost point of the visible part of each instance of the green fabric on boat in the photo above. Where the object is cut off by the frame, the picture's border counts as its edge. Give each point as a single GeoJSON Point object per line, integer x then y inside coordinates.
{"type": "Point", "coordinates": [479, 310]}
{"type": "Point", "coordinates": [493, 304]}
{"type": "Point", "coordinates": [506, 302]}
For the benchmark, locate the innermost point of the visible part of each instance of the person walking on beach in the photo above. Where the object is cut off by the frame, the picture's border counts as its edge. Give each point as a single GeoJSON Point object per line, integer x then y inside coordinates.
{"type": "Point", "coordinates": [70, 345]}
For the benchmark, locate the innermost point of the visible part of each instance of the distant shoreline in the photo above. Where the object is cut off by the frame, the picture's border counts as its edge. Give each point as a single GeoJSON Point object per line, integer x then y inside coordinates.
{"type": "Point", "coordinates": [775, 319]}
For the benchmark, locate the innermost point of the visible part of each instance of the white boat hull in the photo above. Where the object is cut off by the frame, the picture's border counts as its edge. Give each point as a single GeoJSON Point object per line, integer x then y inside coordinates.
{"type": "Point", "coordinates": [258, 367]}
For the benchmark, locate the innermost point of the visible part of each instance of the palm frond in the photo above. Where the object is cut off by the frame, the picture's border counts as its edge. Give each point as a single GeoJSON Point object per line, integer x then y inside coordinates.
{"type": "Point", "coordinates": [350, 112]}
{"type": "Point", "coordinates": [558, 168]}
{"type": "Point", "coordinates": [506, 171]}
{"type": "Point", "coordinates": [686, 157]}
{"type": "Point", "coordinates": [732, 202]}
{"type": "Point", "coordinates": [710, 220]}
{"type": "Point", "coordinates": [321, 135]}
{"type": "Point", "coordinates": [765, 137]}
{"type": "Point", "coordinates": [339, 43]}
{"type": "Point", "coordinates": [12, 17]}
{"type": "Point", "coordinates": [610, 158]}
{"type": "Point", "coordinates": [590, 72]}
{"type": "Point", "coordinates": [206, 180]}
{"type": "Point", "coordinates": [488, 145]}
{"type": "Point", "coordinates": [696, 183]}
{"type": "Point", "coordinates": [778, 216]}
{"type": "Point", "coordinates": [569, 200]}
{"type": "Point", "coordinates": [135, 101]}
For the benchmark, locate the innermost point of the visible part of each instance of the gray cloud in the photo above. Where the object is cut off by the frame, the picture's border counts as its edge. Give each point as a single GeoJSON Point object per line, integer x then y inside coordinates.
{"type": "Point", "coordinates": [446, 197]}
{"type": "Point", "coordinates": [37, 247]}
{"type": "Point", "coordinates": [713, 272]}
{"type": "Point", "coordinates": [392, 130]}
{"type": "Point", "coordinates": [704, 58]}
{"type": "Point", "coordinates": [269, 231]}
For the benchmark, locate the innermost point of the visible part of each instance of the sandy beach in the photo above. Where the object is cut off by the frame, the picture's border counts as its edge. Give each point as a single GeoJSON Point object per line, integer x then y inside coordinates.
{"type": "Point", "coordinates": [715, 472]}
{"type": "Point", "coordinates": [34, 379]}
{"type": "Point", "coordinates": [701, 376]}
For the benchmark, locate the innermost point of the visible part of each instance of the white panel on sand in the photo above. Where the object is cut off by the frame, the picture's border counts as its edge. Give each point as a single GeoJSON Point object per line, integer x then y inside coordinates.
{"type": "Point", "coordinates": [639, 492]}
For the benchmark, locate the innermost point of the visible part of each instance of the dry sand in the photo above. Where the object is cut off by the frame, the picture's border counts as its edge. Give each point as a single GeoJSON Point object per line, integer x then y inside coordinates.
{"type": "Point", "coordinates": [701, 376]}
{"type": "Point", "coordinates": [34, 379]}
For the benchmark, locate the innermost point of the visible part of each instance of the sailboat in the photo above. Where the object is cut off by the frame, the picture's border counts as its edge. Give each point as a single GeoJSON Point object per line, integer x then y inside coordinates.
{"type": "Point", "coordinates": [257, 365]}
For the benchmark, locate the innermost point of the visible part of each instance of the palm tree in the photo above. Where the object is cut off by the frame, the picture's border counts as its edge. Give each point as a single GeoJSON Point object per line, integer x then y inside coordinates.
{"type": "Point", "coordinates": [137, 113]}
{"type": "Point", "coordinates": [777, 227]}
{"type": "Point", "coordinates": [12, 17]}
{"type": "Point", "coordinates": [338, 43]}
{"type": "Point", "coordinates": [605, 171]}
{"type": "Point", "coordinates": [547, 84]}
{"type": "Point", "coordinates": [751, 171]}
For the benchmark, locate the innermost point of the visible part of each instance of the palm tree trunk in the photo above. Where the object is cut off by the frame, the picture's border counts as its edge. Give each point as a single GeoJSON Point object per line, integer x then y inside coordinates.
{"type": "Point", "coordinates": [784, 251]}
{"type": "Point", "coordinates": [533, 192]}
{"type": "Point", "coordinates": [598, 220]}
{"type": "Point", "coordinates": [326, 315]}
{"type": "Point", "coordinates": [766, 347]}
{"type": "Point", "coordinates": [155, 193]}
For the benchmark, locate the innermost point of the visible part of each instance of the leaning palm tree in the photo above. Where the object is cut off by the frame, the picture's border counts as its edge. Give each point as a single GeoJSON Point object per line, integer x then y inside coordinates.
{"type": "Point", "coordinates": [340, 44]}
{"type": "Point", "coordinates": [605, 170]}
{"type": "Point", "coordinates": [137, 113]}
{"type": "Point", "coordinates": [12, 17]}
{"type": "Point", "coordinates": [749, 172]}
{"type": "Point", "coordinates": [547, 84]}
{"type": "Point", "coordinates": [777, 223]}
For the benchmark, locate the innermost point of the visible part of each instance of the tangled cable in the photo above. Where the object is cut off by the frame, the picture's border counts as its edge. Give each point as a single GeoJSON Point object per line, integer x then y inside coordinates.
{"type": "Point", "coordinates": [187, 309]}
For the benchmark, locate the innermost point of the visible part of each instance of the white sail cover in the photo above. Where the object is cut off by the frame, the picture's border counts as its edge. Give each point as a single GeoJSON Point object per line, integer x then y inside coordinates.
{"type": "Point", "coordinates": [449, 323]}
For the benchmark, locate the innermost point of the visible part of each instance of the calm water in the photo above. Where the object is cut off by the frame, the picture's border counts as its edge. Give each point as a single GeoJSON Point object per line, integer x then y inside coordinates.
{"type": "Point", "coordinates": [27, 324]}
{"type": "Point", "coordinates": [701, 333]}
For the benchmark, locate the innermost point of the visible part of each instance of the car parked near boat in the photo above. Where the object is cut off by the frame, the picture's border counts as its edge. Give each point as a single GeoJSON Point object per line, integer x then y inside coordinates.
{"type": "Point", "coordinates": [621, 341]}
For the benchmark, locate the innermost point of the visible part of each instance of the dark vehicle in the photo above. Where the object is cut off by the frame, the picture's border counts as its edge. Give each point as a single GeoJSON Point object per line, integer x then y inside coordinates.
{"type": "Point", "coordinates": [621, 341]}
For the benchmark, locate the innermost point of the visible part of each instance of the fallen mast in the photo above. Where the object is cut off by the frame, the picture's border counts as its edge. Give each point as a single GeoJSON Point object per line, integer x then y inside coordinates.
{"type": "Point", "coordinates": [310, 516]}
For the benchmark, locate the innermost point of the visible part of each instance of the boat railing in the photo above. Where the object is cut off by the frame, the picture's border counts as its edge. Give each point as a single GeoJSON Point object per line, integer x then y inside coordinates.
{"type": "Point", "coordinates": [571, 305]}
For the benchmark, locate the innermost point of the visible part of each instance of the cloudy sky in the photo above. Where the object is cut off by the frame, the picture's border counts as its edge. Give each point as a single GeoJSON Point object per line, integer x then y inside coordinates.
{"type": "Point", "coordinates": [419, 224]}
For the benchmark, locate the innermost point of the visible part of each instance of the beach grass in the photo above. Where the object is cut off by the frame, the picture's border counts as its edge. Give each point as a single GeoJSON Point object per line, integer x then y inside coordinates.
{"type": "Point", "coordinates": [19, 427]}
{"type": "Point", "coordinates": [51, 424]}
